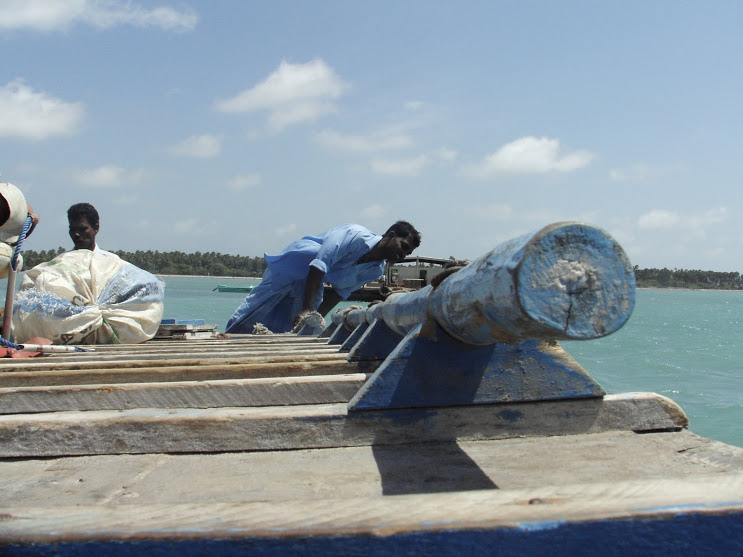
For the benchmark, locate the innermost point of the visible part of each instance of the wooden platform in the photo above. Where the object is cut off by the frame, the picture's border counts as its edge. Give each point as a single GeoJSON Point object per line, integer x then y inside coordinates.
{"type": "Point", "coordinates": [245, 444]}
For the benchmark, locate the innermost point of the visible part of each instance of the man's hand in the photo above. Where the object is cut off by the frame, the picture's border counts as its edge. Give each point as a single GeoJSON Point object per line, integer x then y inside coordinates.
{"type": "Point", "coordinates": [34, 220]}
{"type": "Point", "coordinates": [301, 315]}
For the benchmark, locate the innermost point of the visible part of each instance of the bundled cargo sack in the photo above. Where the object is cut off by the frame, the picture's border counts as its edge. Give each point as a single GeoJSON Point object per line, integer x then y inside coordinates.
{"type": "Point", "coordinates": [81, 297]}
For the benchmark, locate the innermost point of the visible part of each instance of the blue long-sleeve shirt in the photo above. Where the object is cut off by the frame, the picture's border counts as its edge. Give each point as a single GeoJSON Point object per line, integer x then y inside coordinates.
{"type": "Point", "coordinates": [278, 298]}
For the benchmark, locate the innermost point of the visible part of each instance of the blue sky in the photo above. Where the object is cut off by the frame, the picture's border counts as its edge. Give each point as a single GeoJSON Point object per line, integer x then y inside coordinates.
{"type": "Point", "coordinates": [236, 127]}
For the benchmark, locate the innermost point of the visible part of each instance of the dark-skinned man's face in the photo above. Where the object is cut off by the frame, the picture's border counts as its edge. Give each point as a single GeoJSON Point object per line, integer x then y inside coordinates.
{"type": "Point", "coordinates": [82, 234]}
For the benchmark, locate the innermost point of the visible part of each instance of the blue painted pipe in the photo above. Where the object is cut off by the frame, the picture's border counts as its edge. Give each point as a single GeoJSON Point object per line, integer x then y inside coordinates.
{"type": "Point", "coordinates": [400, 311]}
{"type": "Point", "coordinates": [567, 281]}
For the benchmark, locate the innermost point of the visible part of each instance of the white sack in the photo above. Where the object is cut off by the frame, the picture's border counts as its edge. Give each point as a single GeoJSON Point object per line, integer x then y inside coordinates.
{"type": "Point", "coordinates": [84, 298]}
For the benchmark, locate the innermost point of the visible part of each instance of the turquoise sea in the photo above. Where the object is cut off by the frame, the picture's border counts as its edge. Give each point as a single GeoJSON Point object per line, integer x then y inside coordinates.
{"type": "Point", "coordinates": [683, 344]}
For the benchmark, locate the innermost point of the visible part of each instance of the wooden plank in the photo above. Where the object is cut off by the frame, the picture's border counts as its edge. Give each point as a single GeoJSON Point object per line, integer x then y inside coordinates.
{"type": "Point", "coordinates": [121, 363]}
{"type": "Point", "coordinates": [94, 376]}
{"type": "Point", "coordinates": [182, 394]}
{"type": "Point", "coordinates": [160, 350]}
{"type": "Point", "coordinates": [353, 472]}
{"type": "Point", "coordinates": [371, 520]}
{"type": "Point", "coordinates": [322, 426]}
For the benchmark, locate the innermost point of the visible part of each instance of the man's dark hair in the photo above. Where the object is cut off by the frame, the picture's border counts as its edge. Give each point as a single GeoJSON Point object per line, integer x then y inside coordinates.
{"type": "Point", "coordinates": [404, 228]}
{"type": "Point", "coordinates": [83, 210]}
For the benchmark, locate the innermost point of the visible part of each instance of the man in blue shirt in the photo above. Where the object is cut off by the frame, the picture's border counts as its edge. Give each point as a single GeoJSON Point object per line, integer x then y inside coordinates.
{"type": "Point", "coordinates": [346, 257]}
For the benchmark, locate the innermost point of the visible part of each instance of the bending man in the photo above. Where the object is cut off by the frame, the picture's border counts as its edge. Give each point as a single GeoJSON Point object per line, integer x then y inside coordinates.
{"type": "Point", "coordinates": [346, 257]}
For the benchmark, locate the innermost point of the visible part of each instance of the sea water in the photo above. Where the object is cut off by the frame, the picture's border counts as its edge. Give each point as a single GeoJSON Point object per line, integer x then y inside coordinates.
{"type": "Point", "coordinates": [679, 343]}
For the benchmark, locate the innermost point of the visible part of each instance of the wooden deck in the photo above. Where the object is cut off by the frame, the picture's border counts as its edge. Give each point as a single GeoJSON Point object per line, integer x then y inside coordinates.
{"type": "Point", "coordinates": [246, 443]}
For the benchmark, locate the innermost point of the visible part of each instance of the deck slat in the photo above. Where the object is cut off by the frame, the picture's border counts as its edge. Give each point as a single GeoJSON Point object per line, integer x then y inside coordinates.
{"type": "Point", "coordinates": [379, 518]}
{"type": "Point", "coordinates": [321, 426]}
{"type": "Point", "coordinates": [95, 376]}
{"type": "Point", "coordinates": [182, 394]}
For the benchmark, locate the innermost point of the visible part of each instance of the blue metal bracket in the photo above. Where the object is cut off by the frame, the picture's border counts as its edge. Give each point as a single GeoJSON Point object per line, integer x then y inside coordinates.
{"type": "Point", "coordinates": [329, 330]}
{"type": "Point", "coordinates": [354, 337]}
{"type": "Point", "coordinates": [376, 344]}
{"type": "Point", "coordinates": [429, 368]}
{"type": "Point", "coordinates": [339, 336]}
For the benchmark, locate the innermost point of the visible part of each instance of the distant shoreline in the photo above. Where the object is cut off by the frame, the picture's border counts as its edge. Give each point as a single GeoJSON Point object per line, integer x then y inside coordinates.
{"type": "Point", "coordinates": [215, 277]}
{"type": "Point", "coordinates": [690, 289]}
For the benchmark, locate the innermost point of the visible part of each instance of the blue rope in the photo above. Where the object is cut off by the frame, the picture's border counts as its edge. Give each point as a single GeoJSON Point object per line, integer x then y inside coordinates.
{"type": "Point", "coordinates": [17, 252]}
{"type": "Point", "coordinates": [14, 265]}
{"type": "Point", "coordinates": [7, 344]}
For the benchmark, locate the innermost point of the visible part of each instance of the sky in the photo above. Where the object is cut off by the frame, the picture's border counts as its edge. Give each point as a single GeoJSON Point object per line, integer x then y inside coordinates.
{"type": "Point", "coordinates": [237, 127]}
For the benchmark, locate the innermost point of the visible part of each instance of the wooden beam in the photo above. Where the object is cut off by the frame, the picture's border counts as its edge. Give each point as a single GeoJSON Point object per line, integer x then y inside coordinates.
{"type": "Point", "coordinates": [182, 394]}
{"type": "Point", "coordinates": [92, 376]}
{"type": "Point", "coordinates": [322, 426]}
{"type": "Point", "coordinates": [133, 362]}
{"type": "Point", "coordinates": [380, 520]}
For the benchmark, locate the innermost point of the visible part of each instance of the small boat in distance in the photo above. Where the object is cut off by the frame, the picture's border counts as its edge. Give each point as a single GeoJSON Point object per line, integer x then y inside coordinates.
{"type": "Point", "coordinates": [228, 288]}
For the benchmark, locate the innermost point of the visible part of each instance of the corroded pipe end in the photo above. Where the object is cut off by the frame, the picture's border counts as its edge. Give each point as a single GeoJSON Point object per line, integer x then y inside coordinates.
{"type": "Point", "coordinates": [567, 281]}
{"type": "Point", "coordinates": [576, 279]}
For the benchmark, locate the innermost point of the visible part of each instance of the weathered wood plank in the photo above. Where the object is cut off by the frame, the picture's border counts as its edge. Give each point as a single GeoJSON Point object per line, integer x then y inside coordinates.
{"type": "Point", "coordinates": [322, 426]}
{"type": "Point", "coordinates": [182, 394]}
{"type": "Point", "coordinates": [121, 363]}
{"type": "Point", "coordinates": [352, 472]}
{"type": "Point", "coordinates": [380, 518]}
{"type": "Point", "coordinates": [94, 376]}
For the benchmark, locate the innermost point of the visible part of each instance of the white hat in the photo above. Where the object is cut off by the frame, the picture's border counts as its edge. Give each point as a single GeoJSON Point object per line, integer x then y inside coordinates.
{"type": "Point", "coordinates": [12, 228]}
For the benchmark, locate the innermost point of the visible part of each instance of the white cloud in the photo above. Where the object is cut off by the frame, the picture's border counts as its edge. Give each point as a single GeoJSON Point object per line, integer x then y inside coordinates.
{"type": "Point", "coordinates": [640, 172]}
{"type": "Point", "coordinates": [197, 226]}
{"type": "Point", "coordinates": [658, 218]}
{"type": "Point", "coordinates": [28, 114]}
{"type": "Point", "coordinates": [500, 212]}
{"type": "Point", "coordinates": [107, 176]}
{"type": "Point", "coordinates": [244, 182]}
{"type": "Point", "coordinates": [293, 93]}
{"type": "Point", "coordinates": [374, 212]}
{"type": "Point", "coordinates": [445, 154]}
{"type": "Point", "coordinates": [400, 167]}
{"type": "Point", "coordinates": [380, 141]}
{"type": "Point", "coordinates": [187, 226]}
{"type": "Point", "coordinates": [285, 230]}
{"type": "Point", "coordinates": [531, 155]}
{"type": "Point", "coordinates": [693, 225]}
{"type": "Point", "coordinates": [203, 146]}
{"type": "Point", "coordinates": [712, 216]}
{"type": "Point", "coordinates": [54, 15]}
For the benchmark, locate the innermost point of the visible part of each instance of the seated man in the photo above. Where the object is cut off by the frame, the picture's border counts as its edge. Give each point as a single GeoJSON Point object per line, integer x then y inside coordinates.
{"type": "Point", "coordinates": [88, 295]}
{"type": "Point", "coordinates": [84, 226]}
{"type": "Point", "coordinates": [347, 257]}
